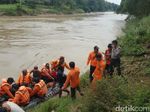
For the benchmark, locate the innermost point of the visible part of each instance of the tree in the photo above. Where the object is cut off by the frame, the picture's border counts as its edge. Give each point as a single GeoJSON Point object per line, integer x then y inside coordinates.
{"type": "Point", "coordinates": [138, 8]}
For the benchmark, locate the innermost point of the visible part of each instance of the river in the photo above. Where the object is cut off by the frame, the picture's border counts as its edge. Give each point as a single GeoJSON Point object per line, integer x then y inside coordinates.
{"type": "Point", "coordinates": [29, 41]}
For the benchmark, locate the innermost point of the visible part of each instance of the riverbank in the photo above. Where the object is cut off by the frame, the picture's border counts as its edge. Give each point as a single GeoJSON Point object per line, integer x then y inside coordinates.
{"type": "Point", "coordinates": [31, 7]}
{"type": "Point", "coordinates": [20, 10]}
{"type": "Point", "coordinates": [131, 90]}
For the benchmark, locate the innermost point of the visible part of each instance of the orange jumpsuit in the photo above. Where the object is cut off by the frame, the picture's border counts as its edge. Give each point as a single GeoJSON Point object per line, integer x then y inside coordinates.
{"type": "Point", "coordinates": [40, 89]}
{"type": "Point", "coordinates": [5, 89]}
{"type": "Point", "coordinates": [92, 59]}
{"type": "Point", "coordinates": [73, 78]}
{"type": "Point", "coordinates": [22, 96]}
{"type": "Point", "coordinates": [98, 71]}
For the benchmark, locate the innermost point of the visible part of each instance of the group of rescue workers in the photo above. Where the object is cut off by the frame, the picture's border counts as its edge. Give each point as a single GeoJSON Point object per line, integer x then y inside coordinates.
{"type": "Point", "coordinates": [35, 83]}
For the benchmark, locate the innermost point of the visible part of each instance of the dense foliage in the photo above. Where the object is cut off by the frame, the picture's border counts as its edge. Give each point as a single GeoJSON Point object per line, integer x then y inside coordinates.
{"type": "Point", "coordinates": [136, 40]}
{"type": "Point", "coordinates": [137, 8]}
{"type": "Point", "coordinates": [85, 5]}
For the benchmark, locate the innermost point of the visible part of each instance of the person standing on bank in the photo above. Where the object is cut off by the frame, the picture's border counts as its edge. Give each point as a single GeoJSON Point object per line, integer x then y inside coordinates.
{"type": "Point", "coordinates": [115, 58]}
{"type": "Point", "coordinates": [108, 59]}
{"type": "Point", "coordinates": [73, 79]}
{"type": "Point", "coordinates": [92, 61]}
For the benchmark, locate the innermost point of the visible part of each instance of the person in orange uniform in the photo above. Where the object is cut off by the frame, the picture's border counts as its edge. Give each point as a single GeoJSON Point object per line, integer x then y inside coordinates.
{"type": "Point", "coordinates": [99, 70]}
{"type": "Point", "coordinates": [24, 78]}
{"type": "Point", "coordinates": [59, 66]}
{"type": "Point", "coordinates": [92, 61]}
{"type": "Point", "coordinates": [73, 79]}
{"type": "Point", "coordinates": [46, 74]}
{"type": "Point", "coordinates": [40, 88]}
{"type": "Point", "coordinates": [5, 89]}
{"type": "Point", "coordinates": [108, 58]}
{"type": "Point", "coordinates": [22, 96]}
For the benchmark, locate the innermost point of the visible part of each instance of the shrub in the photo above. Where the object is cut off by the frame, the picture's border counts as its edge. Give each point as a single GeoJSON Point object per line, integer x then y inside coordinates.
{"type": "Point", "coordinates": [136, 37]}
{"type": "Point", "coordinates": [115, 92]}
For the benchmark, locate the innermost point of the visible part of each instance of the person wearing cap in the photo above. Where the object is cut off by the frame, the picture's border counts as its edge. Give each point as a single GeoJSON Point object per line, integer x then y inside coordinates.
{"type": "Point", "coordinates": [92, 61]}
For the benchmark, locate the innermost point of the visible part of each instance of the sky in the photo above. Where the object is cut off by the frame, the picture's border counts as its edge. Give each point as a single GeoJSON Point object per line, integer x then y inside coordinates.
{"type": "Point", "coordinates": [114, 1]}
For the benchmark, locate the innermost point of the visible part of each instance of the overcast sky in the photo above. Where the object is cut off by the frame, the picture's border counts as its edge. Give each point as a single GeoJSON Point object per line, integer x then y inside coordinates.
{"type": "Point", "coordinates": [114, 1]}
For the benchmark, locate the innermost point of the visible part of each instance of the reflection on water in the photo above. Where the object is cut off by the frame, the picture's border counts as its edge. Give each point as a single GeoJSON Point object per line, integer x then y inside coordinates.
{"type": "Point", "coordinates": [29, 41]}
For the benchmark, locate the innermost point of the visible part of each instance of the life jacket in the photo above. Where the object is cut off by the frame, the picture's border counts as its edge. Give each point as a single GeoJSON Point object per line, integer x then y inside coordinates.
{"type": "Point", "coordinates": [98, 72]}
{"type": "Point", "coordinates": [92, 58]}
{"type": "Point", "coordinates": [25, 96]}
{"type": "Point", "coordinates": [4, 85]}
{"type": "Point", "coordinates": [55, 65]}
{"type": "Point", "coordinates": [108, 56]}
{"type": "Point", "coordinates": [4, 80]}
{"type": "Point", "coordinates": [45, 71]}
{"type": "Point", "coordinates": [43, 88]}
{"type": "Point", "coordinates": [24, 79]}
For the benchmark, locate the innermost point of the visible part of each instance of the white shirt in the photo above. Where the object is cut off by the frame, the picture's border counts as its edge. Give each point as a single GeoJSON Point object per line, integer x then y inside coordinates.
{"type": "Point", "coordinates": [14, 107]}
{"type": "Point", "coordinates": [115, 53]}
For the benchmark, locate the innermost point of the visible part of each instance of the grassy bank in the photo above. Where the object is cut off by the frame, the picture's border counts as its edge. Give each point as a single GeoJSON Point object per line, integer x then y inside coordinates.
{"type": "Point", "coordinates": [34, 7]}
{"type": "Point", "coordinates": [134, 88]}
{"type": "Point", "coordinates": [64, 104]}
{"type": "Point", "coordinates": [131, 90]}
{"type": "Point", "coordinates": [18, 10]}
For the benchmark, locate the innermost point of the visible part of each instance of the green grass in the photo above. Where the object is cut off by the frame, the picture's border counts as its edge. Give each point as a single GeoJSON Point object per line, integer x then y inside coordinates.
{"type": "Point", "coordinates": [16, 9]}
{"type": "Point", "coordinates": [56, 105]}
{"type": "Point", "coordinates": [65, 10]}
{"type": "Point", "coordinates": [7, 7]}
{"type": "Point", "coordinates": [136, 38]}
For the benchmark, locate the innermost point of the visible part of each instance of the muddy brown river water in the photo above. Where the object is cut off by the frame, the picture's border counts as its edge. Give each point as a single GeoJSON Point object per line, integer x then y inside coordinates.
{"type": "Point", "coordinates": [29, 41]}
